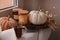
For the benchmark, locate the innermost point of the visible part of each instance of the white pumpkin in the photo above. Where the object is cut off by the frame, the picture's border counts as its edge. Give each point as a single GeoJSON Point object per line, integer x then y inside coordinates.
{"type": "Point", "coordinates": [37, 17]}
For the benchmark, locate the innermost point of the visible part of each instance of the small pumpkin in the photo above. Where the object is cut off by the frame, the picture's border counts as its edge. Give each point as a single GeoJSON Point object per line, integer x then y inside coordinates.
{"type": "Point", "coordinates": [23, 17]}
{"type": "Point", "coordinates": [7, 23]}
{"type": "Point", "coordinates": [37, 17]}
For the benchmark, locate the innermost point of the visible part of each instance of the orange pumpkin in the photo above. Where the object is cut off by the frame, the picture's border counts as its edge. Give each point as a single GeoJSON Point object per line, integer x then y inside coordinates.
{"type": "Point", "coordinates": [7, 23]}
{"type": "Point", "coordinates": [23, 17]}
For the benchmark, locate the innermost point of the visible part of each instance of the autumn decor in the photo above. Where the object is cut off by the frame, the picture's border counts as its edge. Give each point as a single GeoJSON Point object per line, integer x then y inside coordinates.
{"type": "Point", "coordinates": [37, 17]}
{"type": "Point", "coordinates": [40, 19]}
{"type": "Point", "coordinates": [50, 21]}
{"type": "Point", "coordinates": [23, 17]}
{"type": "Point", "coordinates": [15, 13]}
{"type": "Point", "coordinates": [7, 23]}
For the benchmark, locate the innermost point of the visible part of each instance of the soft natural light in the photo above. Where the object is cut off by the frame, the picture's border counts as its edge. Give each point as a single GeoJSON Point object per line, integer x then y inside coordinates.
{"type": "Point", "coordinates": [8, 4]}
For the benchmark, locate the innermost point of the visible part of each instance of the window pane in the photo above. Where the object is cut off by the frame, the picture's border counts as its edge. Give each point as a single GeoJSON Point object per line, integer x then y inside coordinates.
{"type": "Point", "coordinates": [5, 3]}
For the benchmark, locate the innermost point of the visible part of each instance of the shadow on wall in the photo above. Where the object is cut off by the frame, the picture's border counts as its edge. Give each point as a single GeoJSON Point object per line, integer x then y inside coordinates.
{"type": "Point", "coordinates": [20, 3]}
{"type": "Point", "coordinates": [53, 6]}
{"type": "Point", "coordinates": [31, 4]}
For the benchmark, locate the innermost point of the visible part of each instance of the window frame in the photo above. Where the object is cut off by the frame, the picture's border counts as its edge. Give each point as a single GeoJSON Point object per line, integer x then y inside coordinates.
{"type": "Point", "coordinates": [15, 4]}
